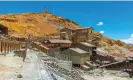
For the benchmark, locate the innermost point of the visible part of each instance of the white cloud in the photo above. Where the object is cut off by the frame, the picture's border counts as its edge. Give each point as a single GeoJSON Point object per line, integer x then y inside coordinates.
{"type": "Point", "coordinates": [132, 35]}
{"type": "Point", "coordinates": [100, 24]}
{"type": "Point", "coordinates": [129, 40]}
{"type": "Point", "coordinates": [101, 32]}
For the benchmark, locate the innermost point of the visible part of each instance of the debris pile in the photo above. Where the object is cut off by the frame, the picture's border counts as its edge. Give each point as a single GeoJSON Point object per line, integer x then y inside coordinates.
{"type": "Point", "coordinates": [66, 72]}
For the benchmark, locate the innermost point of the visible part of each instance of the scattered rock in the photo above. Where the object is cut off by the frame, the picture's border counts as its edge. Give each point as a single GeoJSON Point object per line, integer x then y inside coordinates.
{"type": "Point", "coordinates": [122, 74]}
{"type": "Point", "coordinates": [20, 76]}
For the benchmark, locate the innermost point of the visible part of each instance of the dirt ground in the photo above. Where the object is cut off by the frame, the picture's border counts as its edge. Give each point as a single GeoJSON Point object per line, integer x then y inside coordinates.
{"type": "Point", "coordinates": [11, 67]}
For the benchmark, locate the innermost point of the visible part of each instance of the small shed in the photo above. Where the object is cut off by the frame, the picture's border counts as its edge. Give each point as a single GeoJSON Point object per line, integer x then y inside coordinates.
{"type": "Point", "coordinates": [3, 29]}
{"type": "Point", "coordinates": [77, 55]}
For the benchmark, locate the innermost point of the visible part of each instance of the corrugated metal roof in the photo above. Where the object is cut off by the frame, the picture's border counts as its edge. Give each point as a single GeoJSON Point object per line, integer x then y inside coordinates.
{"type": "Point", "coordinates": [60, 41]}
{"type": "Point", "coordinates": [78, 50]}
{"type": "Point", "coordinates": [87, 44]}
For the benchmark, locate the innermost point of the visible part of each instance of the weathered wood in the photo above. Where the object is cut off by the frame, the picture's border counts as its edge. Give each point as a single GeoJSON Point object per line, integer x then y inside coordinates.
{"type": "Point", "coordinates": [109, 64]}
{"type": "Point", "coordinates": [22, 53]}
{"type": "Point", "coordinates": [120, 65]}
{"type": "Point", "coordinates": [8, 46]}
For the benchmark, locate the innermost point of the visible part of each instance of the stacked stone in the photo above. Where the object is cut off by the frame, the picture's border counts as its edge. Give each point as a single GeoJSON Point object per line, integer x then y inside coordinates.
{"type": "Point", "coordinates": [66, 72]}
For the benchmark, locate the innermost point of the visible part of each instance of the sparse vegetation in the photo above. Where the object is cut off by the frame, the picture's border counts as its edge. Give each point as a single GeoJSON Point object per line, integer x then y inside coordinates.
{"type": "Point", "coordinates": [11, 31]}
{"type": "Point", "coordinates": [118, 42]}
{"type": "Point", "coordinates": [72, 21]}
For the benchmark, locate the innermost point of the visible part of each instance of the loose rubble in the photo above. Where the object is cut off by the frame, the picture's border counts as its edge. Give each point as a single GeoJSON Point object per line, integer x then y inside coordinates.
{"type": "Point", "coordinates": [20, 76]}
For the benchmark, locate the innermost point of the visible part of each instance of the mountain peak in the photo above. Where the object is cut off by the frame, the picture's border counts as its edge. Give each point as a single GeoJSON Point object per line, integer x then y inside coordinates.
{"type": "Point", "coordinates": [46, 11]}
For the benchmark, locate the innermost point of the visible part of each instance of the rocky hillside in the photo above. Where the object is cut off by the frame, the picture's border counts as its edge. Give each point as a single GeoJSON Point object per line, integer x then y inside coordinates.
{"type": "Point", "coordinates": [114, 47]}
{"type": "Point", "coordinates": [40, 24]}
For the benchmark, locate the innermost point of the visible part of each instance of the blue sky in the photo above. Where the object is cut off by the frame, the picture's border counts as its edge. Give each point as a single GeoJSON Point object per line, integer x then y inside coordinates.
{"type": "Point", "coordinates": [115, 18]}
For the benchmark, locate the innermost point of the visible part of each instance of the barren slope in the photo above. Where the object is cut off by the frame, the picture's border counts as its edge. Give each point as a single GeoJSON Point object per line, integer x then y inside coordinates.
{"type": "Point", "coordinates": [114, 47]}
{"type": "Point", "coordinates": [40, 24]}
{"type": "Point", "coordinates": [44, 23]}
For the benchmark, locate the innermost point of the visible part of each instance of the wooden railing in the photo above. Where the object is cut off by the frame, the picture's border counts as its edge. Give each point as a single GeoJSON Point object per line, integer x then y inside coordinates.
{"type": "Point", "coordinates": [7, 46]}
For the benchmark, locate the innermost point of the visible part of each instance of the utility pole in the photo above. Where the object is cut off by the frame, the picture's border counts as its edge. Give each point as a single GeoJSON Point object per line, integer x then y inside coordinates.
{"type": "Point", "coordinates": [45, 9]}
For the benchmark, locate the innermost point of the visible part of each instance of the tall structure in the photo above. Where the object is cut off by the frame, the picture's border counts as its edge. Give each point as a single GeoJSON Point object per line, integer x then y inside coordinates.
{"type": "Point", "coordinates": [66, 33]}
{"type": "Point", "coordinates": [45, 10]}
{"type": "Point", "coordinates": [78, 35]}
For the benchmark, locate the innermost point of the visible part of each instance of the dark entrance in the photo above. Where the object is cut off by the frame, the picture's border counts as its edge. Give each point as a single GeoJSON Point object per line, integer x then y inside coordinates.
{"type": "Point", "coordinates": [3, 29]}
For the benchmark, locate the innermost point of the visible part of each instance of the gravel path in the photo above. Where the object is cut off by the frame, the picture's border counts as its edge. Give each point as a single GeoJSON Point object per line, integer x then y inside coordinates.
{"type": "Point", "coordinates": [11, 66]}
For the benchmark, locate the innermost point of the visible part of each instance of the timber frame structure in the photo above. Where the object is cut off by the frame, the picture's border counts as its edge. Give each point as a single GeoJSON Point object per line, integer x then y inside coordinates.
{"type": "Point", "coordinates": [7, 46]}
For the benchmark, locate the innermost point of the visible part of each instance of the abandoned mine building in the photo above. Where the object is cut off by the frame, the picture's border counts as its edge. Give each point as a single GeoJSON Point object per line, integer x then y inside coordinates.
{"type": "Point", "coordinates": [77, 35]}
{"type": "Point", "coordinates": [76, 55]}
{"type": "Point", "coordinates": [55, 46]}
{"type": "Point", "coordinates": [73, 45]}
{"type": "Point", "coordinates": [79, 53]}
{"type": "Point", "coordinates": [87, 47]}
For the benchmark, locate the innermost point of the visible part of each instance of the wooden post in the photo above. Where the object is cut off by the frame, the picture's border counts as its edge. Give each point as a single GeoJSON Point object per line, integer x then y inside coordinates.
{"type": "Point", "coordinates": [4, 47]}
{"type": "Point", "coordinates": [13, 46]}
{"type": "Point", "coordinates": [10, 47]}
{"type": "Point", "coordinates": [0, 46]}
{"type": "Point", "coordinates": [17, 46]}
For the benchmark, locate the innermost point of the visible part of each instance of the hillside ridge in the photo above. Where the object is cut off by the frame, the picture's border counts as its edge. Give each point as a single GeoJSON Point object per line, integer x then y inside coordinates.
{"type": "Point", "coordinates": [41, 24]}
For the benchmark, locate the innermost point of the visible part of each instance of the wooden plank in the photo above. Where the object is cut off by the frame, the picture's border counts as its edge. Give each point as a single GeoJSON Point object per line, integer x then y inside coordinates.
{"type": "Point", "coordinates": [110, 64]}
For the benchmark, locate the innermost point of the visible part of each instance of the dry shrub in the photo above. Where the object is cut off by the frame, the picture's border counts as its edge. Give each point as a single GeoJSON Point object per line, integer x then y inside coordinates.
{"type": "Point", "coordinates": [20, 76]}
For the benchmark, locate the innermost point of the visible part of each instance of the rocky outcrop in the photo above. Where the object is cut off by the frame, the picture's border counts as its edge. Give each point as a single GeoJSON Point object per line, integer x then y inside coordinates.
{"type": "Point", "coordinates": [113, 47]}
